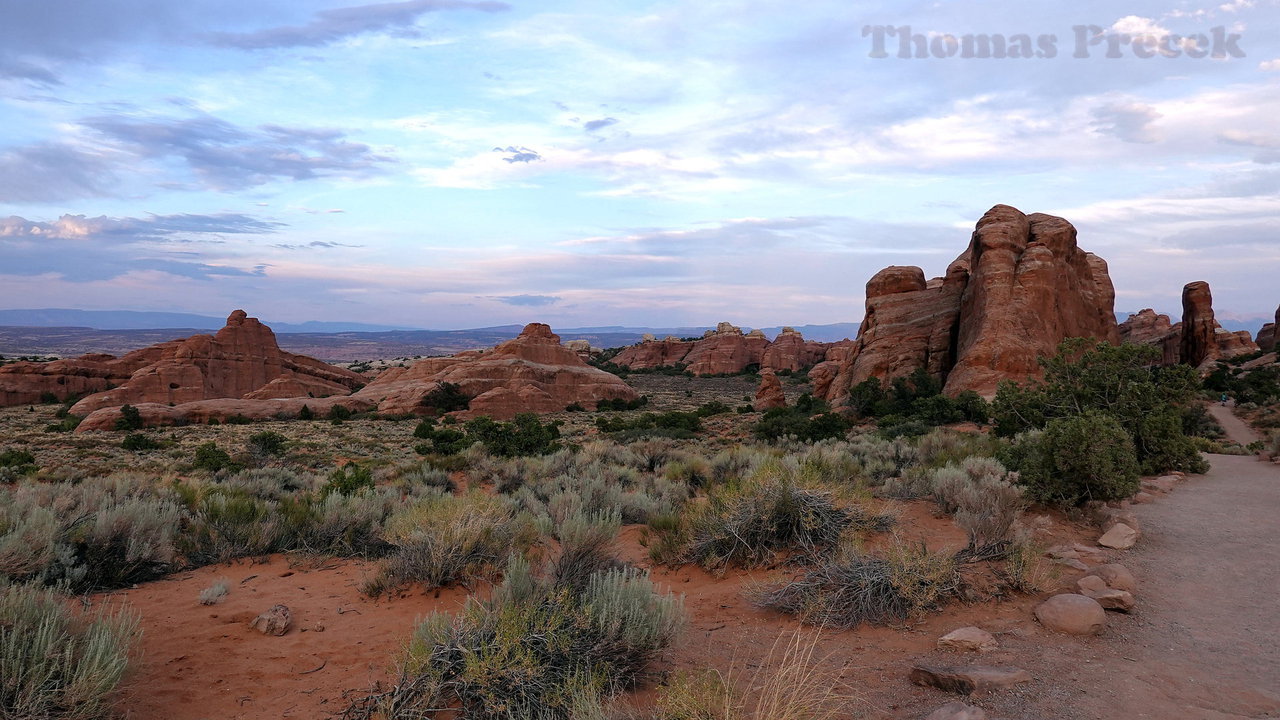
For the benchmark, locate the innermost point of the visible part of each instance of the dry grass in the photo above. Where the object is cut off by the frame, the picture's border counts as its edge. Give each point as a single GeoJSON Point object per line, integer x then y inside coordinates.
{"type": "Point", "coordinates": [791, 683]}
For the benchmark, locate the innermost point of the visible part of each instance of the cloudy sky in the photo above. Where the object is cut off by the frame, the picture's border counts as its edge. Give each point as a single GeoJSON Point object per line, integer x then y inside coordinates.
{"type": "Point", "coordinates": [459, 163]}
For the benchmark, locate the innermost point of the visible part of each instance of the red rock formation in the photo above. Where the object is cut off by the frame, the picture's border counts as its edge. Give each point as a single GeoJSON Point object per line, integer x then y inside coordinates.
{"type": "Point", "coordinates": [1198, 344]}
{"type": "Point", "coordinates": [241, 358]}
{"type": "Point", "coordinates": [1030, 287]}
{"type": "Point", "coordinates": [532, 373]}
{"type": "Point", "coordinates": [25, 383]}
{"type": "Point", "coordinates": [726, 351]}
{"type": "Point", "coordinates": [1231, 344]}
{"type": "Point", "coordinates": [770, 394]}
{"type": "Point", "coordinates": [652, 354]}
{"type": "Point", "coordinates": [1145, 328]}
{"type": "Point", "coordinates": [790, 351]}
{"type": "Point", "coordinates": [1020, 289]}
{"type": "Point", "coordinates": [1267, 336]}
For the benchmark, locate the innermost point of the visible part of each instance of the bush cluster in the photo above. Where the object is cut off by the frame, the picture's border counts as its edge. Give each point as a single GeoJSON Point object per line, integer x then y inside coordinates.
{"type": "Point", "coordinates": [1123, 383]}
{"type": "Point", "coordinates": [537, 649]}
{"type": "Point", "coordinates": [525, 434]}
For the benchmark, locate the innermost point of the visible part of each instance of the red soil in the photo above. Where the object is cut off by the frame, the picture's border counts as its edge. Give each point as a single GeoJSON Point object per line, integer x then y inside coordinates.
{"type": "Point", "coordinates": [204, 662]}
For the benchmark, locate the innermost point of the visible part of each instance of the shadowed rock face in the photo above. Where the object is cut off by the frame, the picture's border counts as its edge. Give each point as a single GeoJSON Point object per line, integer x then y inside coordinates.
{"type": "Point", "coordinates": [1020, 288]}
{"type": "Point", "coordinates": [1267, 335]}
{"type": "Point", "coordinates": [1198, 343]}
{"type": "Point", "coordinates": [532, 373]}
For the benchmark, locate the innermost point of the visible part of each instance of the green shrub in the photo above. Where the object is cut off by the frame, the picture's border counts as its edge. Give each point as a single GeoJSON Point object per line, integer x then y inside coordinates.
{"type": "Point", "coordinates": [266, 444]}
{"type": "Point", "coordinates": [1075, 459]}
{"type": "Point", "coordinates": [237, 419]}
{"type": "Point", "coordinates": [306, 413]}
{"type": "Point", "coordinates": [226, 523]}
{"type": "Point", "coordinates": [619, 405]}
{"type": "Point", "coordinates": [440, 441]}
{"type": "Point", "coordinates": [338, 413]}
{"type": "Point", "coordinates": [130, 418]}
{"type": "Point", "coordinates": [714, 407]}
{"type": "Point", "coordinates": [674, 423]}
{"type": "Point", "coordinates": [212, 458]}
{"type": "Point", "coordinates": [1121, 382]}
{"type": "Point", "coordinates": [68, 423]}
{"type": "Point", "coordinates": [58, 664]}
{"type": "Point", "coordinates": [48, 398]}
{"type": "Point", "coordinates": [138, 442]}
{"type": "Point", "coordinates": [18, 462]}
{"type": "Point", "coordinates": [792, 422]}
{"type": "Point", "coordinates": [442, 539]}
{"type": "Point", "coordinates": [445, 398]}
{"type": "Point", "coordinates": [524, 435]}
{"type": "Point", "coordinates": [348, 480]}
{"type": "Point", "coordinates": [536, 650]}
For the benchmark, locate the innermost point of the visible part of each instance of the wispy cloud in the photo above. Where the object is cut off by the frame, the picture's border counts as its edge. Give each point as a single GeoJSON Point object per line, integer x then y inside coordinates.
{"type": "Point", "coordinates": [330, 26]}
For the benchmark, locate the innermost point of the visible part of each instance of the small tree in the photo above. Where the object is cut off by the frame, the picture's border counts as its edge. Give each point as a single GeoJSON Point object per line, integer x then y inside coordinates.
{"type": "Point", "coordinates": [130, 419]}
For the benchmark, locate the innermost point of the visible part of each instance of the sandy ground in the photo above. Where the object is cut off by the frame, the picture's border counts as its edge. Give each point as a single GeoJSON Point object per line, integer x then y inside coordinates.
{"type": "Point", "coordinates": [1201, 644]}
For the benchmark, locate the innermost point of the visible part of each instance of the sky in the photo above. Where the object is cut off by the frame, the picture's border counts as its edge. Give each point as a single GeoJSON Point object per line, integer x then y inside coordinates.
{"type": "Point", "coordinates": [466, 163]}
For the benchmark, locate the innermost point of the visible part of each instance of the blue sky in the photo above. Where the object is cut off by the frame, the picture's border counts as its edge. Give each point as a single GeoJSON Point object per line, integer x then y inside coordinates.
{"type": "Point", "coordinates": [458, 163]}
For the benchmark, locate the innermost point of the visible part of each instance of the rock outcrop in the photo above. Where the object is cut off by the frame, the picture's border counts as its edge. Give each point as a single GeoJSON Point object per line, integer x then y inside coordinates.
{"type": "Point", "coordinates": [790, 351]}
{"type": "Point", "coordinates": [770, 394]}
{"type": "Point", "coordinates": [1021, 287]}
{"type": "Point", "coordinates": [241, 360]}
{"type": "Point", "coordinates": [1199, 340]}
{"type": "Point", "coordinates": [727, 351]}
{"type": "Point", "coordinates": [25, 383]}
{"type": "Point", "coordinates": [532, 373]}
{"type": "Point", "coordinates": [1145, 327]}
{"type": "Point", "coordinates": [1266, 340]}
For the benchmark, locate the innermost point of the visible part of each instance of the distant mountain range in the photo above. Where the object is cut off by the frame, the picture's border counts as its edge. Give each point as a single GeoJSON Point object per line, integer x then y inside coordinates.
{"type": "Point", "coordinates": [68, 333]}
{"type": "Point", "coordinates": [132, 320]}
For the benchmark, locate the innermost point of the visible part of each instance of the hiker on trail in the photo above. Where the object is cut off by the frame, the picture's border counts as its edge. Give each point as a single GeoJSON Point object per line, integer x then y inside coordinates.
{"type": "Point", "coordinates": [1224, 398]}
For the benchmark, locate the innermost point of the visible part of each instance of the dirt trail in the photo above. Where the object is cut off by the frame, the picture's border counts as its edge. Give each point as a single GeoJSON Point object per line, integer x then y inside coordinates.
{"type": "Point", "coordinates": [1235, 428]}
{"type": "Point", "coordinates": [1202, 643]}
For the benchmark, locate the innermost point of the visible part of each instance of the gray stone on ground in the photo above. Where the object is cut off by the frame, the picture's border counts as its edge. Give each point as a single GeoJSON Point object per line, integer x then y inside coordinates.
{"type": "Point", "coordinates": [968, 639]}
{"type": "Point", "coordinates": [958, 711]}
{"type": "Point", "coordinates": [971, 680]}
{"type": "Point", "coordinates": [275, 621]}
{"type": "Point", "coordinates": [1073, 614]}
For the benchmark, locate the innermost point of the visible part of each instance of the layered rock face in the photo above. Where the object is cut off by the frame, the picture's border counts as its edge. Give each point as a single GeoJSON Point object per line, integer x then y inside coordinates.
{"type": "Point", "coordinates": [26, 383]}
{"type": "Point", "coordinates": [532, 373]}
{"type": "Point", "coordinates": [726, 351]}
{"type": "Point", "coordinates": [1022, 287]}
{"type": "Point", "coordinates": [242, 358]}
